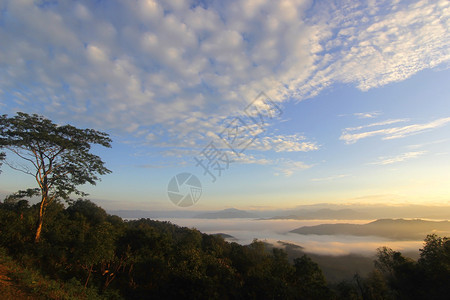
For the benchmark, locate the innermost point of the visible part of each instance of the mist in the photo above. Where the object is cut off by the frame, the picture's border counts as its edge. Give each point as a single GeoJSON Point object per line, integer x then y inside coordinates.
{"type": "Point", "coordinates": [272, 231]}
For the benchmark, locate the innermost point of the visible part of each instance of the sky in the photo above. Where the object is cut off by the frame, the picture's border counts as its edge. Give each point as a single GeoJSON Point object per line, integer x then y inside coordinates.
{"type": "Point", "coordinates": [269, 104]}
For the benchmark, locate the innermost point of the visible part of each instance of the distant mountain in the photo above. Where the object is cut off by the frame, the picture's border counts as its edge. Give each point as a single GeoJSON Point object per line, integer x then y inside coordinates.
{"type": "Point", "coordinates": [138, 214]}
{"type": "Point", "coordinates": [320, 211]}
{"type": "Point", "coordinates": [384, 210]}
{"type": "Point", "coordinates": [326, 214]}
{"type": "Point", "coordinates": [226, 214]}
{"type": "Point", "coordinates": [398, 229]}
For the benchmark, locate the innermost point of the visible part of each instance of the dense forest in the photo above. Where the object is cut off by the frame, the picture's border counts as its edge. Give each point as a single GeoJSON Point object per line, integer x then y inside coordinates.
{"type": "Point", "coordinates": [90, 254]}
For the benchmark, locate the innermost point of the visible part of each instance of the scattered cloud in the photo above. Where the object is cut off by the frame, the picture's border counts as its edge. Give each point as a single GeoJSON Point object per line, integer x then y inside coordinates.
{"type": "Point", "coordinates": [392, 132]}
{"type": "Point", "coordinates": [289, 167]}
{"type": "Point", "coordinates": [251, 159]}
{"type": "Point", "coordinates": [284, 143]}
{"type": "Point", "coordinates": [180, 152]}
{"type": "Point", "coordinates": [381, 42]}
{"type": "Point", "coordinates": [398, 158]}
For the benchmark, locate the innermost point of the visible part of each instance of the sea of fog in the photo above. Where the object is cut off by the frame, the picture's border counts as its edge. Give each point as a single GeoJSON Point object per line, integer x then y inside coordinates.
{"type": "Point", "coordinates": [272, 231]}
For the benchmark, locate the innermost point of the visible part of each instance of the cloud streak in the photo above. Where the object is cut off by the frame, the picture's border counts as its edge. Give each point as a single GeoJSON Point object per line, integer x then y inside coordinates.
{"type": "Point", "coordinates": [391, 133]}
{"type": "Point", "coordinates": [399, 158]}
{"type": "Point", "coordinates": [330, 178]}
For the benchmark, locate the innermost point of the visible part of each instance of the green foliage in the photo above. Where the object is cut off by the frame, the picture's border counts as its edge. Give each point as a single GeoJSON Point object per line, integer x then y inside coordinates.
{"type": "Point", "coordinates": [427, 278]}
{"type": "Point", "coordinates": [434, 265]}
{"type": "Point", "coordinates": [17, 223]}
{"type": "Point", "coordinates": [84, 246]}
{"type": "Point", "coordinates": [19, 195]}
{"type": "Point", "coordinates": [435, 254]}
{"type": "Point", "coordinates": [310, 281]}
{"type": "Point", "coordinates": [399, 277]}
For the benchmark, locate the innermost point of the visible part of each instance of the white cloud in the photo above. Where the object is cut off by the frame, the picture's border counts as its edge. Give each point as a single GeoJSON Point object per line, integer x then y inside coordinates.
{"type": "Point", "coordinates": [159, 63]}
{"type": "Point", "coordinates": [392, 132]}
{"type": "Point", "coordinates": [365, 115]}
{"type": "Point", "coordinates": [399, 158]}
{"type": "Point", "coordinates": [391, 45]}
{"type": "Point", "coordinates": [284, 143]}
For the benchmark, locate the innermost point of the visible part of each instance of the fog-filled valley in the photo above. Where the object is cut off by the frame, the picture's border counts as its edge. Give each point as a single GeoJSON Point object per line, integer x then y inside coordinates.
{"type": "Point", "coordinates": [244, 231]}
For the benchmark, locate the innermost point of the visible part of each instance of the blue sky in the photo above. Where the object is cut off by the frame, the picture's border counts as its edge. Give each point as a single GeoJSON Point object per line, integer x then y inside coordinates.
{"type": "Point", "coordinates": [362, 87]}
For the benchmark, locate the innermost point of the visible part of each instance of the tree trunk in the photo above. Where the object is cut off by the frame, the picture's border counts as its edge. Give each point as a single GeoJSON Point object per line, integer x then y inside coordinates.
{"type": "Point", "coordinates": [89, 276]}
{"type": "Point", "coordinates": [37, 237]}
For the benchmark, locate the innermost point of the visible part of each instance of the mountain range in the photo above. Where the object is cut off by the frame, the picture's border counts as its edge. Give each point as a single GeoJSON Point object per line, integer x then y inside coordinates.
{"type": "Point", "coordinates": [398, 229]}
{"type": "Point", "coordinates": [324, 211]}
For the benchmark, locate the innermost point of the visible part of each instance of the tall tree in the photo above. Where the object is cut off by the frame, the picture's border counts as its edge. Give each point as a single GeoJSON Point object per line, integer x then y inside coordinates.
{"type": "Point", "coordinates": [58, 157]}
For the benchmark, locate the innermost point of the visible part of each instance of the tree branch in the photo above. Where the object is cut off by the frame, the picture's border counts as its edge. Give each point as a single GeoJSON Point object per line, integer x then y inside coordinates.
{"type": "Point", "coordinates": [21, 155]}
{"type": "Point", "coordinates": [24, 170]}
